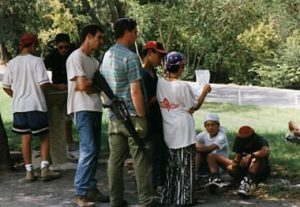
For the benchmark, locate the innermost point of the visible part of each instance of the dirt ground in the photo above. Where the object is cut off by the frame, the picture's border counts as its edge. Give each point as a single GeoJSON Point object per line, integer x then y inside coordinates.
{"type": "Point", "coordinates": [15, 192]}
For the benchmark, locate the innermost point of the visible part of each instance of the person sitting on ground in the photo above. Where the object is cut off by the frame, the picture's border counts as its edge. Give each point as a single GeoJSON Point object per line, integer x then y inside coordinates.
{"type": "Point", "coordinates": [294, 134]}
{"type": "Point", "coordinates": [210, 143]}
{"type": "Point", "coordinates": [56, 62]}
{"type": "Point", "coordinates": [250, 163]}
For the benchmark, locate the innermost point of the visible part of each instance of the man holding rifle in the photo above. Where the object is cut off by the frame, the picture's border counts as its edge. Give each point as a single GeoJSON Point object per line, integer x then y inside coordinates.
{"type": "Point", "coordinates": [120, 67]}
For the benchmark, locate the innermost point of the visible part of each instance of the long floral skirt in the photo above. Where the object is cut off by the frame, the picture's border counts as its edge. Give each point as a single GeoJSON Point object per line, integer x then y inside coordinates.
{"type": "Point", "coordinates": [178, 188]}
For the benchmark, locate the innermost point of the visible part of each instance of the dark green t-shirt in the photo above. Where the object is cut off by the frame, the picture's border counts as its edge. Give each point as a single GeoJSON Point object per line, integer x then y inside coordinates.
{"type": "Point", "coordinates": [244, 146]}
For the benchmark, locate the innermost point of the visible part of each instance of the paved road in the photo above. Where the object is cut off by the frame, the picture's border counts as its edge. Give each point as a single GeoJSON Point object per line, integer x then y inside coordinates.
{"type": "Point", "coordinates": [251, 95]}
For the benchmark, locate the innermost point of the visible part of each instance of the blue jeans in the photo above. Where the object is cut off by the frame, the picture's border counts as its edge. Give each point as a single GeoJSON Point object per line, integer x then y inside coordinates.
{"type": "Point", "coordinates": [88, 124]}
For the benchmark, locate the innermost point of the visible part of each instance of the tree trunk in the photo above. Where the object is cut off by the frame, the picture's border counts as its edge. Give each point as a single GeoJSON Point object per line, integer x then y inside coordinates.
{"type": "Point", "coordinates": [4, 56]}
{"type": "Point", "coordinates": [5, 161]}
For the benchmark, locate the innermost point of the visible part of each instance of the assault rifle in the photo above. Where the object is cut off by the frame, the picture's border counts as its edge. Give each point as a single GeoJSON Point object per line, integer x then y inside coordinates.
{"type": "Point", "coordinates": [118, 107]}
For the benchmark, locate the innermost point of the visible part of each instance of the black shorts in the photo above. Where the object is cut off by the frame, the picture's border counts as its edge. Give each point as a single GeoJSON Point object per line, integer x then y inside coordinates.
{"type": "Point", "coordinates": [31, 122]}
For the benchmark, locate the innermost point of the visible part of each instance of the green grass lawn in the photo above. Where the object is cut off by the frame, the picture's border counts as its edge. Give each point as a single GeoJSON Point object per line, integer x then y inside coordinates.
{"type": "Point", "coordinates": [270, 122]}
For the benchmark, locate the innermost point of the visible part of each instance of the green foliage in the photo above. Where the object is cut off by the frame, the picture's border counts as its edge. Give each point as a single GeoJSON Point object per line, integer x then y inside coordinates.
{"type": "Point", "coordinates": [283, 69]}
{"type": "Point", "coordinates": [291, 49]}
{"type": "Point", "coordinates": [16, 17]}
{"type": "Point", "coordinates": [261, 40]}
{"type": "Point", "coordinates": [245, 42]}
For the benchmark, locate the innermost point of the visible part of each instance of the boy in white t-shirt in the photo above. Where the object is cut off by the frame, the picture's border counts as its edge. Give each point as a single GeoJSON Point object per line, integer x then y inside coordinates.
{"type": "Point", "coordinates": [211, 144]}
{"type": "Point", "coordinates": [24, 81]}
{"type": "Point", "coordinates": [177, 104]}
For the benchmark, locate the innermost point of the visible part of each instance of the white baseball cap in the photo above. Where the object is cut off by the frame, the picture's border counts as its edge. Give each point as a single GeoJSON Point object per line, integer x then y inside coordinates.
{"type": "Point", "coordinates": [211, 117]}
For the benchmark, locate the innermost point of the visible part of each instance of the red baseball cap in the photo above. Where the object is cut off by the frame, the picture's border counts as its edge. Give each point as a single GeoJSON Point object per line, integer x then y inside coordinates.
{"type": "Point", "coordinates": [245, 132]}
{"type": "Point", "coordinates": [28, 39]}
{"type": "Point", "coordinates": [158, 47]}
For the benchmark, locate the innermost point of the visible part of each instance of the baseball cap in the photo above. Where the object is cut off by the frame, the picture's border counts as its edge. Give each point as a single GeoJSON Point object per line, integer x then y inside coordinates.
{"type": "Point", "coordinates": [158, 47]}
{"type": "Point", "coordinates": [28, 39]}
{"type": "Point", "coordinates": [174, 59]}
{"type": "Point", "coordinates": [211, 117]}
{"type": "Point", "coordinates": [245, 132]}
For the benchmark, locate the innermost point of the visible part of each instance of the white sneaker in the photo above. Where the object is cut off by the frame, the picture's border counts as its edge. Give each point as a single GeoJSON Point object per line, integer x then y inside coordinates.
{"type": "Point", "coordinates": [72, 152]}
{"type": "Point", "coordinates": [245, 188]}
{"type": "Point", "coordinates": [215, 183]}
{"type": "Point", "coordinates": [218, 182]}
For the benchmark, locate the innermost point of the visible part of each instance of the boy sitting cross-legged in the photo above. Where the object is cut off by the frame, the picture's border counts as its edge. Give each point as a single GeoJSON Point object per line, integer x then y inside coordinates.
{"type": "Point", "coordinates": [212, 144]}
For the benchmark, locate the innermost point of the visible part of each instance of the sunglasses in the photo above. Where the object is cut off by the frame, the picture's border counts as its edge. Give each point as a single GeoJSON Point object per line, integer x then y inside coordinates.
{"type": "Point", "coordinates": [63, 47]}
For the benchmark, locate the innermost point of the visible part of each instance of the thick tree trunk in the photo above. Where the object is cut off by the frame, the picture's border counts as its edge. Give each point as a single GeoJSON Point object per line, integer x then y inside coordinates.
{"type": "Point", "coordinates": [5, 161]}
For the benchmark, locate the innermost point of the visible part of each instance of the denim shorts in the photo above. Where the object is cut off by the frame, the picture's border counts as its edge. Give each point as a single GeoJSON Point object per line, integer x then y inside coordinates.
{"type": "Point", "coordinates": [31, 122]}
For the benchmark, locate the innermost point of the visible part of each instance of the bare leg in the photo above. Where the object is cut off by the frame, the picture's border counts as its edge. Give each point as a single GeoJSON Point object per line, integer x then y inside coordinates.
{"type": "Point", "coordinates": [214, 161]}
{"type": "Point", "coordinates": [26, 148]}
{"type": "Point", "coordinates": [257, 166]}
{"type": "Point", "coordinates": [45, 146]}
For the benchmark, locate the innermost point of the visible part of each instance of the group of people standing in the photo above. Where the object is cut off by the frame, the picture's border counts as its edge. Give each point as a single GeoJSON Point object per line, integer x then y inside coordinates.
{"type": "Point", "coordinates": [161, 111]}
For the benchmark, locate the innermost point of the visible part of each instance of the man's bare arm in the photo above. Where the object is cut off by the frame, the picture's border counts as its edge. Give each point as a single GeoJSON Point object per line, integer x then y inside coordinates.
{"type": "Point", "coordinates": [263, 152]}
{"type": "Point", "coordinates": [85, 84]}
{"type": "Point", "coordinates": [137, 97]}
{"type": "Point", "coordinates": [206, 148]}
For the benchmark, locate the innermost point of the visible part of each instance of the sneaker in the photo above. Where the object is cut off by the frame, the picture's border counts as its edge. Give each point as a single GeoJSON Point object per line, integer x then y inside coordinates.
{"type": "Point", "coordinates": [82, 201]}
{"type": "Point", "coordinates": [47, 175]}
{"type": "Point", "coordinates": [245, 187]}
{"type": "Point", "coordinates": [30, 176]}
{"type": "Point", "coordinates": [72, 152]}
{"type": "Point", "coordinates": [214, 183]}
{"type": "Point", "coordinates": [96, 196]}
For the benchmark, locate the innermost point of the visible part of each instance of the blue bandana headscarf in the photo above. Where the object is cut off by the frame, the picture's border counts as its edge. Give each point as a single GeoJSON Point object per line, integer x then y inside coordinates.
{"type": "Point", "coordinates": [173, 60]}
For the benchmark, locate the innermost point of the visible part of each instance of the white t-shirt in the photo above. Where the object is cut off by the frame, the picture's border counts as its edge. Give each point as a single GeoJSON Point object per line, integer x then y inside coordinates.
{"type": "Point", "coordinates": [80, 64]}
{"type": "Point", "coordinates": [175, 99]}
{"type": "Point", "coordinates": [24, 75]}
{"type": "Point", "coordinates": [220, 140]}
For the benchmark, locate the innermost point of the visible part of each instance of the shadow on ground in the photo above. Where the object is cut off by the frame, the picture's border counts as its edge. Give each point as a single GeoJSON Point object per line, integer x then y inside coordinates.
{"type": "Point", "coordinates": [15, 192]}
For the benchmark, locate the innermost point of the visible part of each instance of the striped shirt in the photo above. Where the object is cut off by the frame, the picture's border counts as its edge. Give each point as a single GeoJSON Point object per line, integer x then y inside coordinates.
{"type": "Point", "coordinates": [120, 67]}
